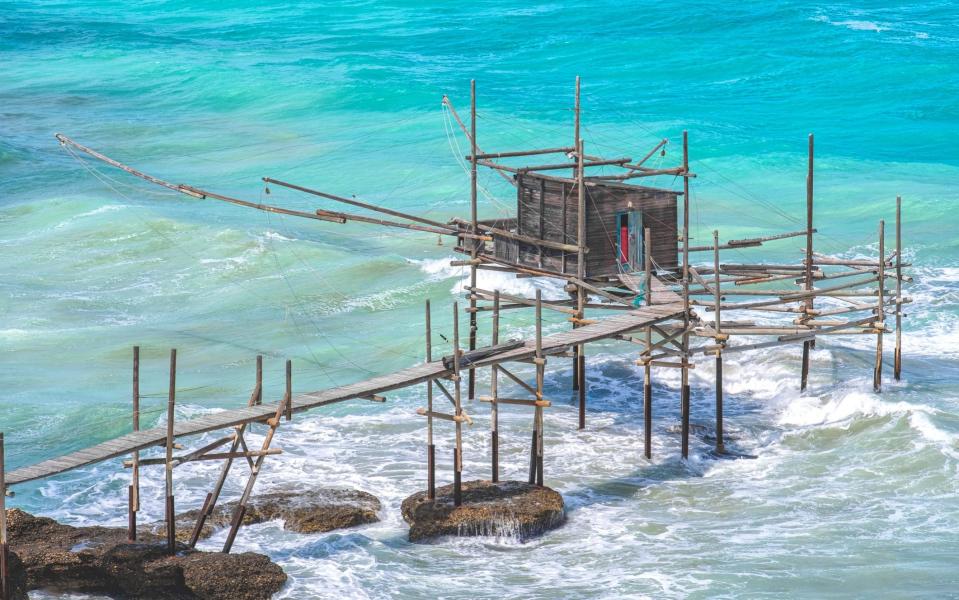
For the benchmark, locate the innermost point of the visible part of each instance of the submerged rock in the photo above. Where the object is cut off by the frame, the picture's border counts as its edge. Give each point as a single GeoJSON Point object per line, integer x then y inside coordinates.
{"type": "Point", "coordinates": [99, 560]}
{"type": "Point", "coordinates": [507, 508]}
{"type": "Point", "coordinates": [314, 511]}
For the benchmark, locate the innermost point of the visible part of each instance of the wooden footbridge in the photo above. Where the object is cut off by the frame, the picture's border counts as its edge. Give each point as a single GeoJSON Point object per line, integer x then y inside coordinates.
{"type": "Point", "coordinates": [615, 246]}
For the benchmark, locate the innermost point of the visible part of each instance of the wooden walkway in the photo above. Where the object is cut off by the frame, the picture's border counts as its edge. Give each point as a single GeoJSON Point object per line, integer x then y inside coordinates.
{"type": "Point", "coordinates": [148, 438]}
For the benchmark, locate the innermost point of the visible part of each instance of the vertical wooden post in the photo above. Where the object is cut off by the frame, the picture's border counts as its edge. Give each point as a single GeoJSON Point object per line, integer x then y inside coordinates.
{"type": "Point", "coordinates": [5, 584]}
{"type": "Point", "coordinates": [430, 448]}
{"type": "Point", "coordinates": [458, 450]}
{"type": "Point", "coordinates": [540, 376]}
{"type": "Point", "coordinates": [684, 394]}
{"type": "Point", "coordinates": [134, 492]}
{"type": "Point", "coordinates": [880, 311]}
{"type": "Point", "coordinates": [259, 379]}
{"type": "Point", "coordinates": [581, 275]}
{"type": "Point", "coordinates": [575, 175]}
{"type": "Point", "coordinates": [720, 448]}
{"type": "Point", "coordinates": [474, 244]}
{"type": "Point", "coordinates": [240, 511]}
{"type": "Point", "coordinates": [808, 345]}
{"type": "Point", "coordinates": [897, 358]}
{"type": "Point", "coordinates": [170, 509]}
{"type": "Point", "coordinates": [494, 394]}
{"type": "Point", "coordinates": [647, 369]}
{"type": "Point", "coordinates": [289, 390]}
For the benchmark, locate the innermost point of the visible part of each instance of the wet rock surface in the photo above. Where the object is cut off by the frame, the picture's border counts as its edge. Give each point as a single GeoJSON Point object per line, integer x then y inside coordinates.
{"type": "Point", "coordinates": [314, 511]}
{"type": "Point", "coordinates": [99, 560]}
{"type": "Point", "coordinates": [507, 508]}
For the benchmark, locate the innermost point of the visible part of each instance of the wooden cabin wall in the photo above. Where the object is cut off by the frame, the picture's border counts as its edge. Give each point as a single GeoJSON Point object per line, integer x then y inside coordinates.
{"type": "Point", "coordinates": [548, 210]}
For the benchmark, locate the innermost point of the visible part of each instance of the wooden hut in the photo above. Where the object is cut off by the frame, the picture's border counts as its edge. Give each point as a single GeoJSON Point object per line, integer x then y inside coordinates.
{"type": "Point", "coordinates": [616, 215]}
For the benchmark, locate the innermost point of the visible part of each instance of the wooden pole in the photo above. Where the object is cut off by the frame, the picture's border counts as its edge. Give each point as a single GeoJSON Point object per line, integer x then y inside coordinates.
{"type": "Point", "coordinates": [259, 380]}
{"type": "Point", "coordinates": [897, 359]}
{"type": "Point", "coordinates": [809, 344]}
{"type": "Point", "coordinates": [880, 309]}
{"type": "Point", "coordinates": [719, 353]}
{"type": "Point", "coordinates": [430, 448]}
{"type": "Point", "coordinates": [4, 547]}
{"type": "Point", "coordinates": [540, 376]}
{"type": "Point", "coordinates": [684, 399]}
{"type": "Point", "coordinates": [134, 501]}
{"type": "Point", "coordinates": [581, 275]}
{"type": "Point", "coordinates": [474, 247]}
{"type": "Point", "coordinates": [494, 394]}
{"type": "Point", "coordinates": [576, 120]}
{"type": "Point", "coordinates": [289, 390]}
{"type": "Point", "coordinates": [647, 368]}
{"type": "Point", "coordinates": [170, 509]}
{"type": "Point", "coordinates": [458, 450]}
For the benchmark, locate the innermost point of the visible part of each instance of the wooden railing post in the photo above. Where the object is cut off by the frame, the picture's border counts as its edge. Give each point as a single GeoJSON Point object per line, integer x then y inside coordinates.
{"type": "Point", "coordinates": [494, 393]}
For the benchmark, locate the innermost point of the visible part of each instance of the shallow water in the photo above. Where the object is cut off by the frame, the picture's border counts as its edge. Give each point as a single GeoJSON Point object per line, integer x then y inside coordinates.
{"type": "Point", "coordinates": [853, 493]}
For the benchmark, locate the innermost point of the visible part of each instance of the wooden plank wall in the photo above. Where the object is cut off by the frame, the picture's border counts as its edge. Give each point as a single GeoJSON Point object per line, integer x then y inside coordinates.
{"type": "Point", "coordinates": [547, 210]}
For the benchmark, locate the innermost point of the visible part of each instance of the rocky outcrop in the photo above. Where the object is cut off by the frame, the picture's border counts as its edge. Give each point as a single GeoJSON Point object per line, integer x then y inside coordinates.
{"type": "Point", "coordinates": [99, 560]}
{"type": "Point", "coordinates": [507, 508]}
{"type": "Point", "coordinates": [315, 511]}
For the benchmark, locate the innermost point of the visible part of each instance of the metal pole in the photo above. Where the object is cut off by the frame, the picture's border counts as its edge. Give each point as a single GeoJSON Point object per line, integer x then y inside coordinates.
{"type": "Point", "coordinates": [474, 244]}
{"type": "Point", "coordinates": [719, 353]}
{"type": "Point", "coordinates": [647, 369]}
{"type": "Point", "coordinates": [458, 450]}
{"type": "Point", "coordinates": [808, 345]}
{"type": "Point", "coordinates": [684, 399]}
{"type": "Point", "coordinates": [880, 311]}
{"type": "Point", "coordinates": [897, 359]}
{"type": "Point", "coordinates": [170, 512]}
{"type": "Point", "coordinates": [430, 448]}
{"type": "Point", "coordinates": [494, 394]}
{"type": "Point", "coordinates": [134, 492]}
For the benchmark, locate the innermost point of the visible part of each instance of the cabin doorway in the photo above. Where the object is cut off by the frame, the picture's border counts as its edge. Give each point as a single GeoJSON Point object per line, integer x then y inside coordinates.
{"type": "Point", "coordinates": [629, 240]}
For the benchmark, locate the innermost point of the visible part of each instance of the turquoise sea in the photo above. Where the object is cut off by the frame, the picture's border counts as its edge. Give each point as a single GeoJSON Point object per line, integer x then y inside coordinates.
{"type": "Point", "coordinates": [853, 494]}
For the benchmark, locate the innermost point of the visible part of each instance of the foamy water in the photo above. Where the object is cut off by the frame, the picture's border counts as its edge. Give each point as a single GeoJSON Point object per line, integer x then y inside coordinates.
{"type": "Point", "coordinates": [851, 493]}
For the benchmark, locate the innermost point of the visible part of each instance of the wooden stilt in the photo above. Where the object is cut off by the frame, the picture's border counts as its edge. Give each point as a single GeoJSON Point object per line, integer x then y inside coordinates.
{"type": "Point", "coordinates": [684, 395]}
{"type": "Point", "coordinates": [474, 244]}
{"type": "Point", "coordinates": [5, 583]}
{"type": "Point", "coordinates": [494, 394]}
{"type": "Point", "coordinates": [897, 358]}
{"type": "Point", "coordinates": [272, 423]}
{"type": "Point", "coordinates": [212, 497]}
{"type": "Point", "coordinates": [719, 341]}
{"type": "Point", "coordinates": [576, 145]}
{"type": "Point", "coordinates": [134, 492]}
{"type": "Point", "coordinates": [457, 376]}
{"type": "Point", "coordinates": [647, 368]}
{"type": "Point", "coordinates": [540, 362]}
{"type": "Point", "coordinates": [170, 508]}
{"type": "Point", "coordinates": [808, 279]}
{"type": "Point", "coordinates": [880, 310]}
{"type": "Point", "coordinates": [430, 448]}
